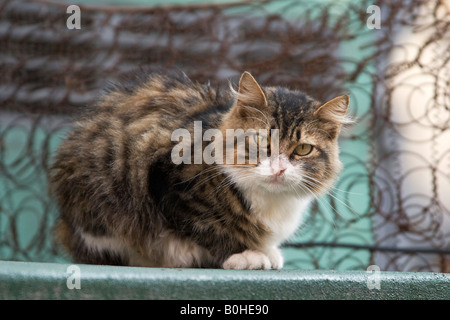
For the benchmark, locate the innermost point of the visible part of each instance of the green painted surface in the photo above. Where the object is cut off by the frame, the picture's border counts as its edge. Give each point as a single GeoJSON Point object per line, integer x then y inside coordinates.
{"type": "Point", "coordinates": [31, 280]}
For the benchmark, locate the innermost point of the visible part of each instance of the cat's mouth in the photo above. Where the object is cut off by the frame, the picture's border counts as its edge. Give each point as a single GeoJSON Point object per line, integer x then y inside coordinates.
{"type": "Point", "coordinates": [276, 180]}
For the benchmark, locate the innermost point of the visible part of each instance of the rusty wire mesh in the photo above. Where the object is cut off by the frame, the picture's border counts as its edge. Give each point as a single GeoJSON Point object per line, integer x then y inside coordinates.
{"type": "Point", "coordinates": [391, 206]}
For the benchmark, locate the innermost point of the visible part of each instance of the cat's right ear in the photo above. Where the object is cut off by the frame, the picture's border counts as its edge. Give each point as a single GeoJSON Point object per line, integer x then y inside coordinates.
{"type": "Point", "coordinates": [334, 113]}
{"type": "Point", "coordinates": [335, 110]}
{"type": "Point", "coordinates": [249, 95]}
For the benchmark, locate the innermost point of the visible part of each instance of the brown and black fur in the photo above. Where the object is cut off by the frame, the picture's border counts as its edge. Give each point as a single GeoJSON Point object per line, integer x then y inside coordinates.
{"type": "Point", "coordinates": [113, 176]}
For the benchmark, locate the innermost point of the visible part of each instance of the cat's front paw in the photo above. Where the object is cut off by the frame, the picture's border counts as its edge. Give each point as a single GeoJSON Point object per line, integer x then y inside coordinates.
{"type": "Point", "coordinates": [248, 260]}
{"type": "Point", "coordinates": [275, 257]}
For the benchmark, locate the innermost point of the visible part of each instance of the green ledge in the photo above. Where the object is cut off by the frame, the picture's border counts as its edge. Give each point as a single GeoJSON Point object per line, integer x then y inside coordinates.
{"type": "Point", "coordinates": [32, 280]}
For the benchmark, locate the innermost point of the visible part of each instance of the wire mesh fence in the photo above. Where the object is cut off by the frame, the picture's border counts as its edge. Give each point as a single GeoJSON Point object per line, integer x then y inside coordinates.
{"type": "Point", "coordinates": [391, 205]}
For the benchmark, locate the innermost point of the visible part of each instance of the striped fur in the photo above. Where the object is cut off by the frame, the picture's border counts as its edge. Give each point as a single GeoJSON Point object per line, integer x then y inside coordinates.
{"type": "Point", "coordinates": [123, 201]}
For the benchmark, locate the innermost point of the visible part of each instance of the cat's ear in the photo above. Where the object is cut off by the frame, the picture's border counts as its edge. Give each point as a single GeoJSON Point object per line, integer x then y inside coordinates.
{"type": "Point", "coordinates": [249, 95]}
{"type": "Point", "coordinates": [335, 110]}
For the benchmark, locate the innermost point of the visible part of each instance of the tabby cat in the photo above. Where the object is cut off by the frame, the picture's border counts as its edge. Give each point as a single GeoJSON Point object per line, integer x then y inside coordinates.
{"type": "Point", "coordinates": [124, 201]}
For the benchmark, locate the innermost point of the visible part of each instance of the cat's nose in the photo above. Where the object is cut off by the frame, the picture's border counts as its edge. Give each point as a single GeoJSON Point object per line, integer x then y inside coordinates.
{"type": "Point", "coordinates": [279, 173]}
{"type": "Point", "coordinates": [279, 166]}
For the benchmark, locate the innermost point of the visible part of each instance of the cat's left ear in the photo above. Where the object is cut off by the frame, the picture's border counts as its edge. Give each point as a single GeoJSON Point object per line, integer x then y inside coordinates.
{"type": "Point", "coordinates": [335, 110]}
{"type": "Point", "coordinates": [250, 94]}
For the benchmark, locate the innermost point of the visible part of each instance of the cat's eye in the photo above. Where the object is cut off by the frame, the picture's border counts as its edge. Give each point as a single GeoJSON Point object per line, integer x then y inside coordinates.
{"type": "Point", "coordinates": [303, 149]}
{"type": "Point", "coordinates": [261, 140]}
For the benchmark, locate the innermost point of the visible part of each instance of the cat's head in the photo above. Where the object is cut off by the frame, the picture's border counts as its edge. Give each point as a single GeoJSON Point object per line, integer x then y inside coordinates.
{"type": "Point", "coordinates": [298, 132]}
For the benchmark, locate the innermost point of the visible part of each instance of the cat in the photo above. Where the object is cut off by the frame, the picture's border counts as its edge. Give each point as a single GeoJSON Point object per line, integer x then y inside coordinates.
{"type": "Point", "coordinates": [123, 201]}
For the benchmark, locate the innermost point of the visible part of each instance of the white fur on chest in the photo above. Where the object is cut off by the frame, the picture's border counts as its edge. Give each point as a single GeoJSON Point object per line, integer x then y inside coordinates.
{"type": "Point", "coordinates": [282, 214]}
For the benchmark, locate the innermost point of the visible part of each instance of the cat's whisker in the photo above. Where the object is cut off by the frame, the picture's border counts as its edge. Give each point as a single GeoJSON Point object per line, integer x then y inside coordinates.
{"type": "Point", "coordinates": [213, 176]}
{"type": "Point", "coordinates": [226, 182]}
{"type": "Point", "coordinates": [319, 183]}
{"type": "Point", "coordinates": [198, 183]}
{"type": "Point", "coordinates": [239, 165]}
{"type": "Point", "coordinates": [330, 193]}
{"type": "Point", "coordinates": [230, 180]}
{"type": "Point", "coordinates": [333, 187]}
{"type": "Point", "coordinates": [198, 174]}
{"type": "Point", "coordinates": [209, 170]}
{"type": "Point", "coordinates": [209, 178]}
{"type": "Point", "coordinates": [320, 201]}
